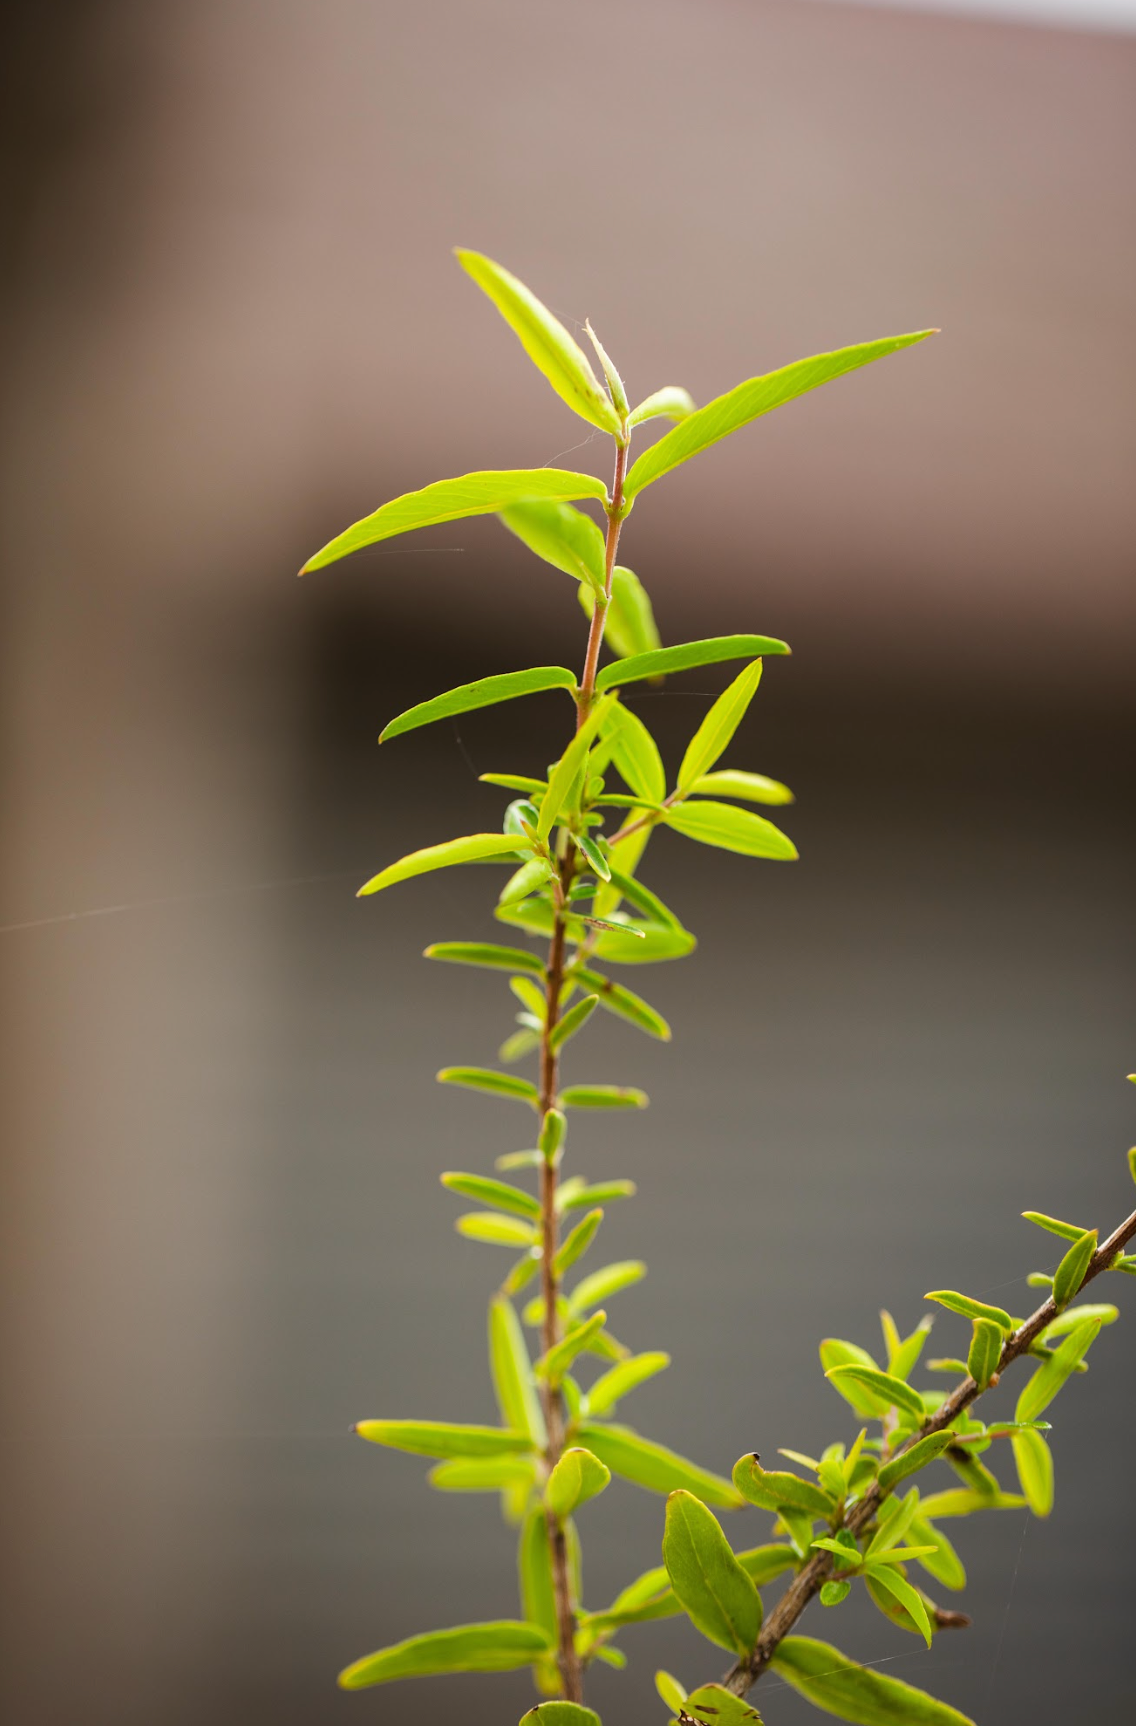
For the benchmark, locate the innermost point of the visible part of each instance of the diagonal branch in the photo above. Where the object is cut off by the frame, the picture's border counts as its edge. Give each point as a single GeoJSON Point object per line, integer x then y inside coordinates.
{"type": "Point", "coordinates": [818, 1569]}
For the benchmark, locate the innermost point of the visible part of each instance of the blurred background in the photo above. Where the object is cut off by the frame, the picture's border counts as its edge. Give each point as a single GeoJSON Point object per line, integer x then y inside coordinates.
{"type": "Point", "coordinates": [231, 325]}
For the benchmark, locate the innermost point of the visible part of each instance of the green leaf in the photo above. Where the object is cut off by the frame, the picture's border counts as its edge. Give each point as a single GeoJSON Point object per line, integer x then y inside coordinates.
{"type": "Point", "coordinates": [985, 1351]}
{"type": "Point", "coordinates": [564, 537]}
{"type": "Point", "coordinates": [753, 787]}
{"type": "Point", "coordinates": [490, 1192]}
{"type": "Point", "coordinates": [890, 1390]}
{"type": "Point", "coordinates": [512, 1373]}
{"type": "Point", "coordinates": [635, 754]}
{"type": "Point", "coordinates": [593, 1290]}
{"type": "Point", "coordinates": [514, 782]}
{"type": "Point", "coordinates": [653, 1466]}
{"type": "Point", "coordinates": [719, 725]}
{"type": "Point", "coordinates": [943, 1563]}
{"type": "Point", "coordinates": [544, 338]}
{"type": "Point", "coordinates": [577, 1477]}
{"type": "Point", "coordinates": [485, 692]}
{"type": "Point", "coordinates": [1073, 1316]}
{"type": "Point", "coordinates": [904, 1356]}
{"type": "Point", "coordinates": [749, 400]}
{"type": "Point", "coordinates": [731, 829]}
{"type": "Point", "coordinates": [832, 1593]}
{"type": "Point", "coordinates": [650, 944]}
{"type": "Point", "coordinates": [960, 1501]}
{"type": "Point", "coordinates": [563, 775]}
{"type": "Point", "coordinates": [671, 1691]}
{"type": "Point", "coordinates": [496, 1230]}
{"type": "Point", "coordinates": [971, 1308]}
{"type": "Point", "coordinates": [1070, 1273]}
{"type": "Point", "coordinates": [718, 1596]}
{"type": "Point", "coordinates": [577, 1243]}
{"type": "Point", "coordinates": [1035, 1470]}
{"type": "Point", "coordinates": [631, 628]}
{"type": "Point", "coordinates": [883, 1576]}
{"type": "Point", "coordinates": [620, 1380]}
{"type": "Point", "coordinates": [603, 1097]}
{"type": "Point", "coordinates": [485, 493]}
{"type": "Point", "coordinates": [712, 651]}
{"type": "Point", "coordinates": [485, 954]}
{"type": "Point", "coordinates": [623, 1002]}
{"type": "Point", "coordinates": [482, 1474]}
{"type": "Point", "coordinates": [837, 1685]}
{"type": "Point", "coordinates": [553, 1365]}
{"type": "Point", "coordinates": [1041, 1389]}
{"type": "Point", "coordinates": [765, 1563]}
{"type": "Point", "coordinates": [442, 1439]}
{"type": "Point", "coordinates": [476, 848]}
{"type": "Point", "coordinates": [1067, 1231]}
{"type": "Point", "coordinates": [501, 1646]}
{"type": "Point", "coordinates": [529, 878]}
{"type": "Point", "coordinates": [574, 1020]}
{"type": "Point", "coordinates": [915, 1457]}
{"type": "Point", "coordinates": [771, 1489]}
{"type": "Point", "coordinates": [553, 1132]}
{"type": "Point", "coordinates": [614, 381]}
{"type": "Point", "coordinates": [649, 1596]}
{"type": "Point", "coordinates": [671, 402]}
{"type": "Point", "coordinates": [714, 1705]}
{"type": "Point", "coordinates": [486, 1079]}
{"type": "Point", "coordinates": [560, 1714]}
{"type": "Point", "coordinates": [835, 1352]}
{"type": "Point", "coordinates": [534, 1571]}
{"type": "Point", "coordinates": [593, 856]}
{"type": "Point", "coordinates": [602, 1193]}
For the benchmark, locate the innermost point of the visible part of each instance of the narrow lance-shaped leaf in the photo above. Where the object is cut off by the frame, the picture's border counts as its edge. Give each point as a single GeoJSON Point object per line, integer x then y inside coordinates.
{"type": "Point", "coordinates": [837, 1685]}
{"type": "Point", "coordinates": [883, 1576]}
{"type": "Point", "coordinates": [671, 402]}
{"type": "Point", "coordinates": [910, 1461]}
{"type": "Point", "coordinates": [718, 1596]}
{"type": "Point", "coordinates": [943, 1562]}
{"type": "Point", "coordinates": [614, 381]}
{"type": "Point", "coordinates": [751, 787]}
{"type": "Point", "coordinates": [961, 1501]}
{"type": "Point", "coordinates": [440, 1439]}
{"type": "Point", "coordinates": [1052, 1225]}
{"type": "Point", "coordinates": [749, 400]}
{"type": "Point", "coordinates": [487, 1191]}
{"type": "Point", "coordinates": [563, 536]}
{"type": "Point", "coordinates": [483, 493]}
{"type": "Point", "coordinates": [485, 692]}
{"type": "Point", "coordinates": [624, 1002]}
{"type": "Point", "coordinates": [482, 1474]}
{"type": "Point", "coordinates": [553, 1365]}
{"type": "Point", "coordinates": [475, 848]}
{"type": "Point", "coordinates": [731, 829]}
{"type": "Point", "coordinates": [1073, 1316]}
{"type": "Point", "coordinates": [577, 1243]}
{"type": "Point", "coordinates": [501, 1646]}
{"type": "Point", "coordinates": [836, 1352]}
{"type": "Point", "coordinates": [670, 1691]}
{"type": "Point", "coordinates": [635, 754]}
{"type": "Point", "coordinates": [630, 628]}
{"type": "Point", "coordinates": [1041, 1389]}
{"type": "Point", "coordinates": [713, 651]}
{"type": "Point", "coordinates": [603, 1097]}
{"type": "Point", "coordinates": [1035, 1470]}
{"type": "Point", "coordinates": [654, 1466]}
{"type": "Point", "coordinates": [620, 1380]}
{"type": "Point", "coordinates": [578, 1476]}
{"type": "Point", "coordinates": [486, 1079]}
{"type": "Point", "coordinates": [512, 1373]}
{"type": "Point", "coordinates": [544, 338]}
{"type": "Point", "coordinates": [496, 1230]}
{"type": "Point", "coordinates": [601, 1193]}
{"type": "Point", "coordinates": [534, 1571]}
{"type": "Point", "coordinates": [487, 955]}
{"type": "Point", "coordinates": [985, 1351]}
{"type": "Point", "coordinates": [969, 1308]}
{"type": "Point", "coordinates": [890, 1390]}
{"type": "Point", "coordinates": [564, 773]}
{"type": "Point", "coordinates": [1070, 1273]}
{"type": "Point", "coordinates": [573, 1020]}
{"type": "Point", "coordinates": [593, 1290]}
{"type": "Point", "coordinates": [719, 725]}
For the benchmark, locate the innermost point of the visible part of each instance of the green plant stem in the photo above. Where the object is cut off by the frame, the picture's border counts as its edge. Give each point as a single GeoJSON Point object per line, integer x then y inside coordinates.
{"type": "Point", "coordinates": [599, 614]}
{"type": "Point", "coordinates": [819, 1568]}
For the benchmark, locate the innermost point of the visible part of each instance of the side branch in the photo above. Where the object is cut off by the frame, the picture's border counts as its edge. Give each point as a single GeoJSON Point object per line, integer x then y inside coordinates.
{"type": "Point", "coordinates": [819, 1568]}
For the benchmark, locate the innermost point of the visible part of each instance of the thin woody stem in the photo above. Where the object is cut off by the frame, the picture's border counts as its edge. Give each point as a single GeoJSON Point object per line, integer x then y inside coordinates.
{"type": "Point", "coordinates": [571, 1675]}
{"type": "Point", "coordinates": [819, 1568]}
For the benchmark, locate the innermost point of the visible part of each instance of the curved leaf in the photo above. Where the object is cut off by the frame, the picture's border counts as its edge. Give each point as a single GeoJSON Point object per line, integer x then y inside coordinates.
{"type": "Point", "coordinates": [485, 692]}
{"type": "Point", "coordinates": [501, 1646]}
{"type": "Point", "coordinates": [892, 1391]}
{"type": "Point", "coordinates": [484, 493]}
{"type": "Point", "coordinates": [487, 1191]}
{"type": "Point", "coordinates": [620, 1380]}
{"type": "Point", "coordinates": [671, 402]}
{"type": "Point", "coordinates": [1070, 1273]}
{"type": "Point", "coordinates": [915, 1457]}
{"type": "Point", "coordinates": [544, 338]}
{"type": "Point", "coordinates": [884, 1576]}
{"type": "Point", "coordinates": [752, 787]}
{"type": "Point", "coordinates": [832, 1682]}
{"type": "Point", "coordinates": [713, 651]}
{"type": "Point", "coordinates": [564, 537]}
{"type": "Point", "coordinates": [624, 1002]}
{"type": "Point", "coordinates": [968, 1308]}
{"type": "Point", "coordinates": [653, 1466]}
{"type": "Point", "coordinates": [731, 829]}
{"type": "Point", "coordinates": [485, 954]}
{"type": "Point", "coordinates": [593, 1290]}
{"type": "Point", "coordinates": [486, 1079]}
{"type": "Point", "coordinates": [475, 848]}
{"type": "Point", "coordinates": [716, 1593]}
{"type": "Point", "coordinates": [774, 1489]}
{"type": "Point", "coordinates": [577, 1477]}
{"type": "Point", "coordinates": [749, 400]}
{"type": "Point", "coordinates": [496, 1230]}
{"type": "Point", "coordinates": [603, 1097]}
{"type": "Point", "coordinates": [441, 1439]}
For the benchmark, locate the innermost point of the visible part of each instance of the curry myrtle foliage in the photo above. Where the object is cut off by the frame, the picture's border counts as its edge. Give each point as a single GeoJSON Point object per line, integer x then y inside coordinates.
{"type": "Point", "coordinates": [572, 844]}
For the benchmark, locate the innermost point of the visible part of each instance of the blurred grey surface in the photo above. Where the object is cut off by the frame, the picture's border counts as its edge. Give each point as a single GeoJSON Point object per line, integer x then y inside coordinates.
{"type": "Point", "coordinates": [231, 325]}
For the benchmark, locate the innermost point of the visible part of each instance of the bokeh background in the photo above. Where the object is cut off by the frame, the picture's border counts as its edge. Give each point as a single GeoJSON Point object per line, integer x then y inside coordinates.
{"type": "Point", "coordinates": [231, 325]}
